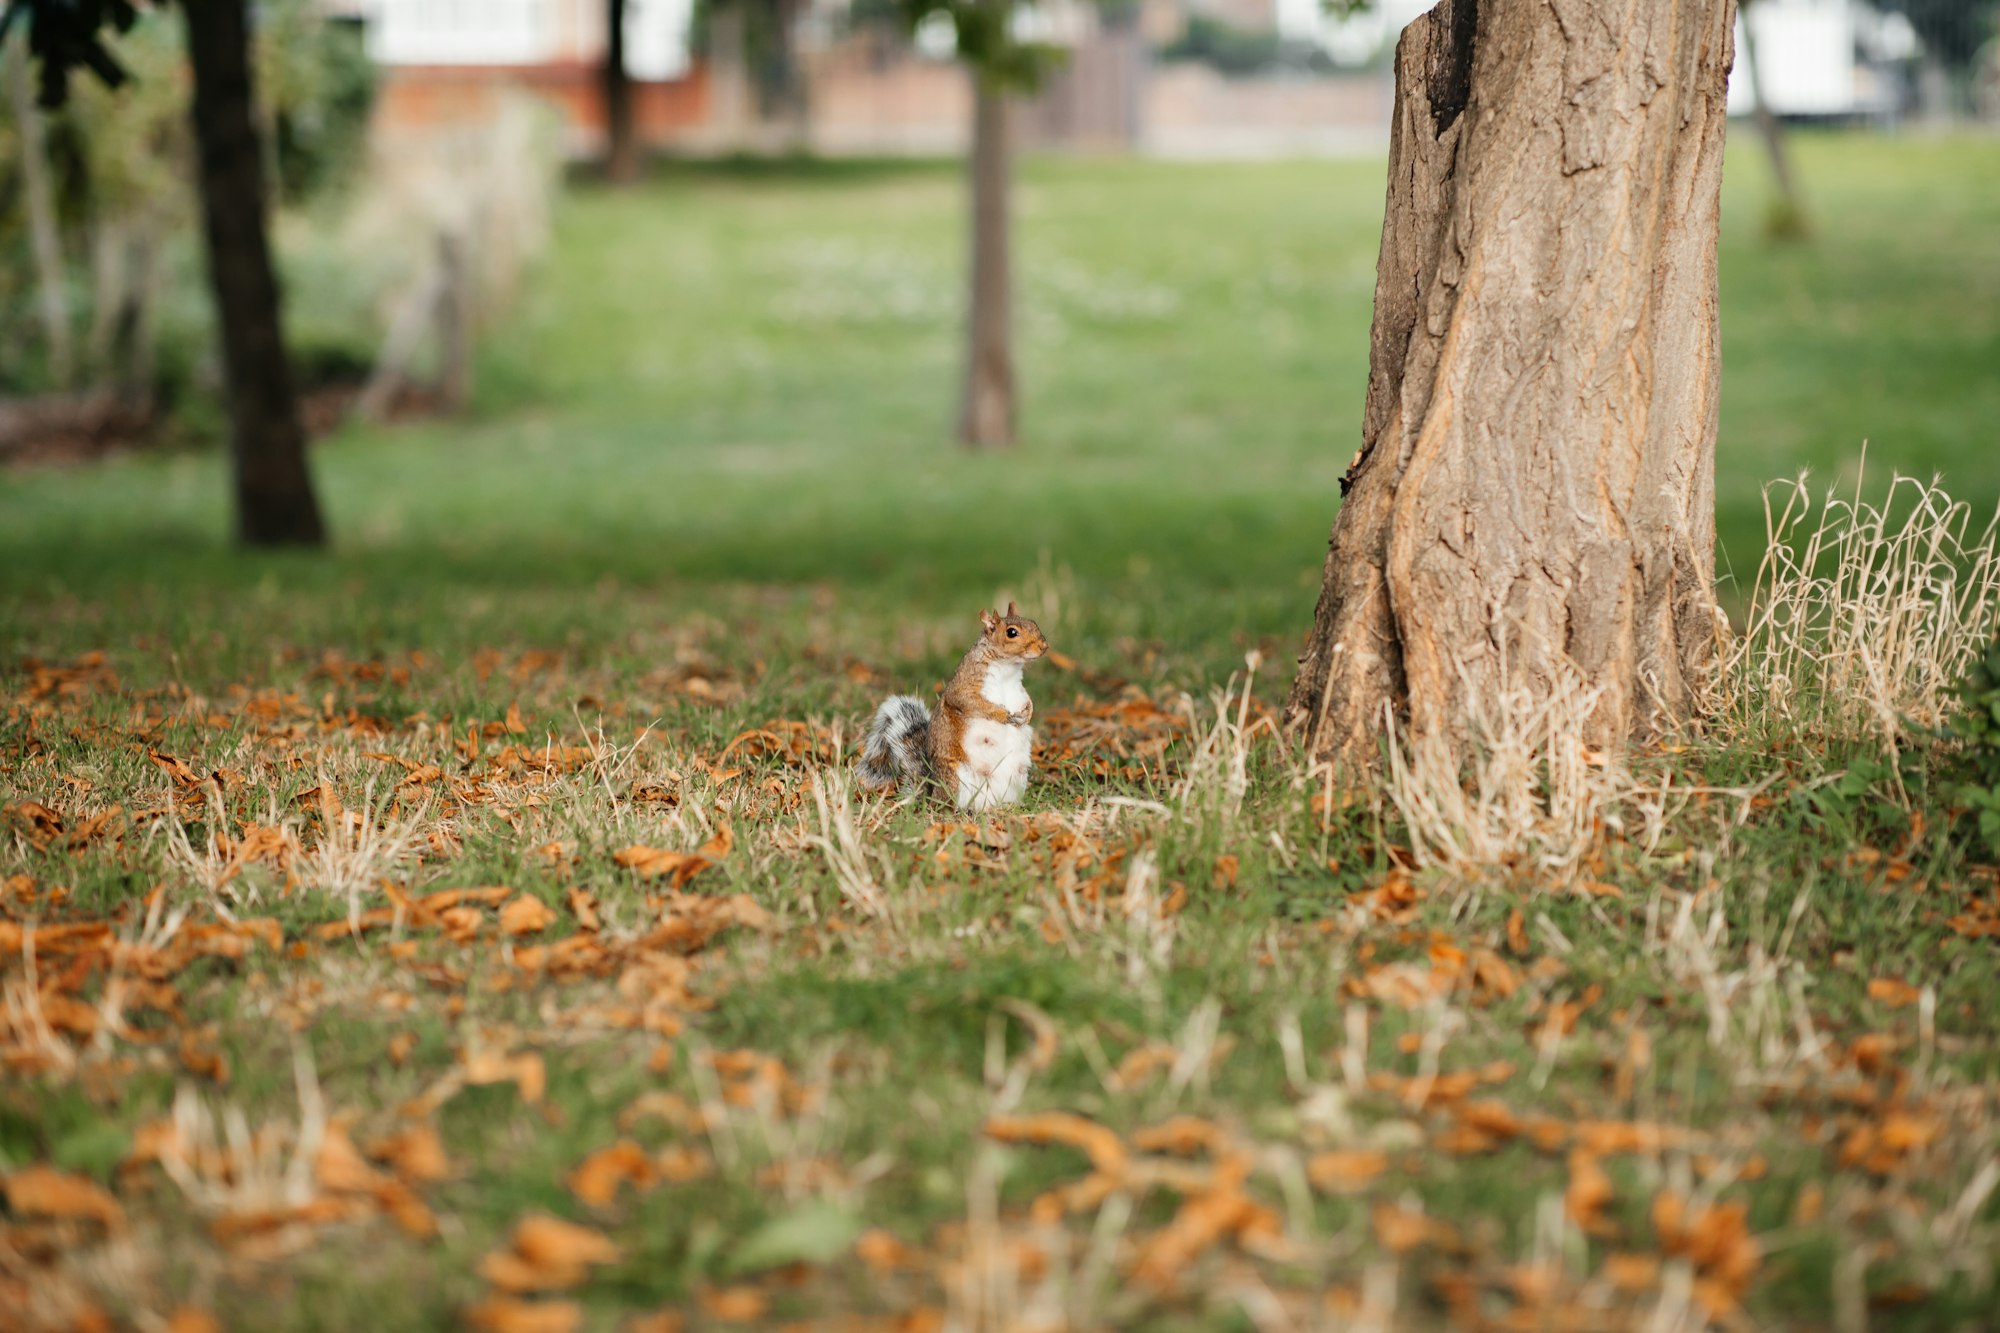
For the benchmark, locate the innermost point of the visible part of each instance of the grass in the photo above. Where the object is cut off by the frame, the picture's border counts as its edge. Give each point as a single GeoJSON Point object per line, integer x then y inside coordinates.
{"type": "Point", "coordinates": [703, 516]}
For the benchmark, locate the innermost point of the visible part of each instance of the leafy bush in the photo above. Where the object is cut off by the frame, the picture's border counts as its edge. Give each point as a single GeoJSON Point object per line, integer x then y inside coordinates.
{"type": "Point", "coordinates": [123, 165]}
{"type": "Point", "coordinates": [1979, 729]}
{"type": "Point", "coordinates": [1240, 52]}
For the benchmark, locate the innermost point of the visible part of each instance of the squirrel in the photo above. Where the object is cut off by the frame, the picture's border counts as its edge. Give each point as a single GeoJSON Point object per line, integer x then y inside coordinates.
{"type": "Point", "coordinates": [977, 744]}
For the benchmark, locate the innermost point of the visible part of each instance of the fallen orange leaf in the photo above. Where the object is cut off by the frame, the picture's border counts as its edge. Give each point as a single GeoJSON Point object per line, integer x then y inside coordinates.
{"type": "Point", "coordinates": [1588, 1191]}
{"type": "Point", "coordinates": [653, 862]}
{"type": "Point", "coordinates": [339, 1166]}
{"type": "Point", "coordinates": [542, 1239]}
{"type": "Point", "coordinates": [735, 1305]}
{"type": "Point", "coordinates": [1183, 1135]}
{"type": "Point", "coordinates": [187, 1319]}
{"type": "Point", "coordinates": [43, 1191]}
{"type": "Point", "coordinates": [1400, 1229]}
{"type": "Point", "coordinates": [1346, 1170]}
{"type": "Point", "coordinates": [501, 1314]}
{"type": "Point", "coordinates": [1894, 992]}
{"type": "Point", "coordinates": [526, 1071]}
{"type": "Point", "coordinates": [660, 1321]}
{"type": "Point", "coordinates": [415, 1153]}
{"type": "Point", "coordinates": [1631, 1272]}
{"type": "Point", "coordinates": [882, 1251]}
{"type": "Point", "coordinates": [525, 916]}
{"type": "Point", "coordinates": [1101, 1145]}
{"type": "Point", "coordinates": [597, 1177]}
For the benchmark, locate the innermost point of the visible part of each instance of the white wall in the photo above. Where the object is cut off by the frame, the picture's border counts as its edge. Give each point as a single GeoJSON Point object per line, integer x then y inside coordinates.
{"type": "Point", "coordinates": [528, 32]}
{"type": "Point", "coordinates": [1807, 50]}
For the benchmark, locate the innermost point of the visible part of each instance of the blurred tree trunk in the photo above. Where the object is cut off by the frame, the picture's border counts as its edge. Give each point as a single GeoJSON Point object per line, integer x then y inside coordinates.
{"type": "Point", "coordinates": [43, 235]}
{"type": "Point", "coordinates": [986, 409]}
{"type": "Point", "coordinates": [1787, 219]}
{"type": "Point", "coordinates": [274, 494]}
{"type": "Point", "coordinates": [621, 163]}
{"type": "Point", "coordinates": [121, 332]}
{"type": "Point", "coordinates": [1533, 506]}
{"type": "Point", "coordinates": [728, 77]}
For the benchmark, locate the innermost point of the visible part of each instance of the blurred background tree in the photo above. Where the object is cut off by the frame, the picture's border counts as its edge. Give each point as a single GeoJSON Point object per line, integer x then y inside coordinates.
{"type": "Point", "coordinates": [120, 148]}
{"type": "Point", "coordinates": [1955, 36]}
{"type": "Point", "coordinates": [988, 37]}
{"type": "Point", "coordinates": [621, 146]}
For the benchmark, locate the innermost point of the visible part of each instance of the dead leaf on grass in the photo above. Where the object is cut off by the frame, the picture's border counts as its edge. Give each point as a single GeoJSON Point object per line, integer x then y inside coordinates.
{"type": "Point", "coordinates": [597, 1177]}
{"type": "Point", "coordinates": [547, 1254]}
{"type": "Point", "coordinates": [1346, 1170]}
{"type": "Point", "coordinates": [503, 1314]}
{"type": "Point", "coordinates": [415, 1154]}
{"type": "Point", "coordinates": [680, 867]}
{"type": "Point", "coordinates": [735, 1305]}
{"type": "Point", "coordinates": [1103, 1147]}
{"type": "Point", "coordinates": [43, 1191]}
{"type": "Point", "coordinates": [1589, 1190]}
{"type": "Point", "coordinates": [1893, 992]}
{"type": "Point", "coordinates": [526, 915]}
{"type": "Point", "coordinates": [527, 1071]}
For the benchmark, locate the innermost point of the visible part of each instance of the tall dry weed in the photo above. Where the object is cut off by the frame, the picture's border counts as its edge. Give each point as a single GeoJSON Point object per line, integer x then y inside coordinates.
{"type": "Point", "coordinates": [1864, 616]}
{"type": "Point", "coordinates": [1526, 790]}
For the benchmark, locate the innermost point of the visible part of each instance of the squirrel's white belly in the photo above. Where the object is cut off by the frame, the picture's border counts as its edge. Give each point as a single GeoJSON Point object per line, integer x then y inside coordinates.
{"type": "Point", "coordinates": [1003, 686]}
{"type": "Point", "coordinates": [995, 771]}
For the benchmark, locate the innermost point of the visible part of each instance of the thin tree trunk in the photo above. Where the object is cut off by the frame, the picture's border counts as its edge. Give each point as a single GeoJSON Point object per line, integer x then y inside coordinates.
{"type": "Point", "coordinates": [121, 332]}
{"type": "Point", "coordinates": [728, 77]}
{"type": "Point", "coordinates": [43, 236]}
{"type": "Point", "coordinates": [986, 410]}
{"type": "Point", "coordinates": [1534, 500]}
{"type": "Point", "coordinates": [1788, 219]}
{"type": "Point", "coordinates": [454, 322]}
{"type": "Point", "coordinates": [622, 147]}
{"type": "Point", "coordinates": [274, 495]}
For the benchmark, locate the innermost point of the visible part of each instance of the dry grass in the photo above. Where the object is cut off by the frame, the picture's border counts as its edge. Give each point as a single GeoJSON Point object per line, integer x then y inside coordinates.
{"type": "Point", "coordinates": [1529, 791]}
{"type": "Point", "coordinates": [1865, 616]}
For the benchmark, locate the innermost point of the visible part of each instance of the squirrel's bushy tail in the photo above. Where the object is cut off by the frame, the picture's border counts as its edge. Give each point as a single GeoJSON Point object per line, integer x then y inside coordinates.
{"type": "Point", "coordinates": [894, 750]}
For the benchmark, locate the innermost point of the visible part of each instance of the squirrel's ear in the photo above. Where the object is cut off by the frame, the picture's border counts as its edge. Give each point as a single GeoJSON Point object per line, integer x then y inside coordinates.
{"type": "Point", "coordinates": [1012, 610]}
{"type": "Point", "coordinates": [987, 619]}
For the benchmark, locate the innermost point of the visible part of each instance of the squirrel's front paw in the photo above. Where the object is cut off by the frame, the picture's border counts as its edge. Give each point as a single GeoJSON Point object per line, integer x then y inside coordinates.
{"type": "Point", "coordinates": [1020, 717]}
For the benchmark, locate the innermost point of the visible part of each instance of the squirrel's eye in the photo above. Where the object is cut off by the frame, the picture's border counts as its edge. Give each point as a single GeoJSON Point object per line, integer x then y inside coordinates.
{"type": "Point", "coordinates": [1013, 633]}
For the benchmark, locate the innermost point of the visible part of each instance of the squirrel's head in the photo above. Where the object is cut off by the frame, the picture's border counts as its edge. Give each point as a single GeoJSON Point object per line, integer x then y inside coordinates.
{"type": "Point", "coordinates": [1012, 634]}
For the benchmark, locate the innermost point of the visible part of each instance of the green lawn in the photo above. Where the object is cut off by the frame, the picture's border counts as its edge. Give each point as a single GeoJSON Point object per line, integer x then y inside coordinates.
{"type": "Point", "coordinates": [704, 514]}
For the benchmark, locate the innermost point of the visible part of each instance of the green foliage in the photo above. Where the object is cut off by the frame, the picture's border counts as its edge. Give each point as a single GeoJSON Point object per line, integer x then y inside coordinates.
{"type": "Point", "coordinates": [1237, 51]}
{"type": "Point", "coordinates": [817, 1231]}
{"type": "Point", "coordinates": [987, 39]}
{"type": "Point", "coordinates": [1978, 787]}
{"type": "Point", "coordinates": [65, 35]}
{"type": "Point", "coordinates": [1951, 30]}
{"type": "Point", "coordinates": [317, 79]}
{"type": "Point", "coordinates": [124, 157]}
{"type": "Point", "coordinates": [768, 48]}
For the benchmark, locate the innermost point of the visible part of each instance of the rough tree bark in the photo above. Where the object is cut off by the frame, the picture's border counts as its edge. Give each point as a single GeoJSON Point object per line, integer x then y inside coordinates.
{"type": "Point", "coordinates": [1534, 496]}
{"type": "Point", "coordinates": [986, 404]}
{"type": "Point", "coordinates": [40, 200]}
{"type": "Point", "coordinates": [621, 161]}
{"type": "Point", "coordinates": [274, 496]}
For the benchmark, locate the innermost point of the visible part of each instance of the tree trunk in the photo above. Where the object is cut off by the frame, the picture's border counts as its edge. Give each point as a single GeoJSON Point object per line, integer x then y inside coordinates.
{"type": "Point", "coordinates": [986, 408]}
{"type": "Point", "coordinates": [1787, 220]}
{"type": "Point", "coordinates": [121, 332]}
{"type": "Point", "coordinates": [1534, 497]}
{"type": "Point", "coordinates": [728, 78]}
{"type": "Point", "coordinates": [274, 495]}
{"type": "Point", "coordinates": [621, 163]}
{"type": "Point", "coordinates": [43, 235]}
